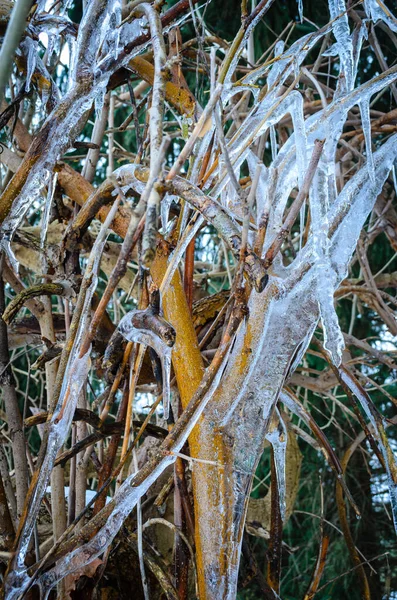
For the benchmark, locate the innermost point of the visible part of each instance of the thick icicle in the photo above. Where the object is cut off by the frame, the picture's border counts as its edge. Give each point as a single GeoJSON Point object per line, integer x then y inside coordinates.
{"type": "Point", "coordinates": [277, 435]}
{"type": "Point", "coordinates": [333, 338]}
{"type": "Point", "coordinates": [30, 52]}
{"type": "Point", "coordinates": [156, 333]}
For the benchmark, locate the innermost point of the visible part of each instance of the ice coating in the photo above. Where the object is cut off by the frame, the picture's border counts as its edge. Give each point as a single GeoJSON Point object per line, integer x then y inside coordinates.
{"type": "Point", "coordinates": [336, 224]}
{"type": "Point", "coordinates": [163, 350]}
{"type": "Point", "coordinates": [278, 66]}
{"type": "Point", "coordinates": [74, 379]}
{"type": "Point", "coordinates": [125, 501]}
{"type": "Point", "coordinates": [58, 428]}
{"type": "Point", "coordinates": [87, 84]}
{"type": "Point", "coordinates": [378, 429]}
{"type": "Point", "coordinates": [273, 142]}
{"type": "Point", "coordinates": [378, 12]}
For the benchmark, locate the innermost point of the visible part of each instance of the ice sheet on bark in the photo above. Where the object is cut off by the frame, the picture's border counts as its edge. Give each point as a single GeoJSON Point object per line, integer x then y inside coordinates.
{"type": "Point", "coordinates": [163, 350]}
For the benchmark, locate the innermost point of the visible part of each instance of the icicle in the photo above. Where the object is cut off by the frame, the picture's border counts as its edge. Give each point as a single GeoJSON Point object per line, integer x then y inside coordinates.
{"type": "Point", "coordinates": [117, 22]}
{"type": "Point", "coordinates": [72, 45]}
{"type": "Point", "coordinates": [165, 206]}
{"type": "Point", "coordinates": [67, 5]}
{"type": "Point", "coordinates": [300, 9]}
{"type": "Point", "coordinates": [278, 437]}
{"type": "Point", "coordinates": [302, 214]}
{"type": "Point", "coordinates": [273, 142]}
{"type": "Point", "coordinates": [394, 177]}
{"type": "Point", "coordinates": [366, 125]}
{"type": "Point", "coordinates": [29, 47]}
{"type": "Point", "coordinates": [47, 209]}
{"type": "Point", "coordinates": [358, 36]}
{"type": "Point", "coordinates": [262, 187]}
{"type": "Point", "coordinates": [277, 66]}
{"type": "Point", "coordinates": [99, 101]}
{"type": "Point", "coordinates": [298, 122]}
{"type": "Point", "coordinates": [333, 338]}
{"type": "Point", "coordinates": [54, 46]}
{"type": "Point", "coordinates": [344, 46]}
{"type": "Point", "coordinates": [162, 346]}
